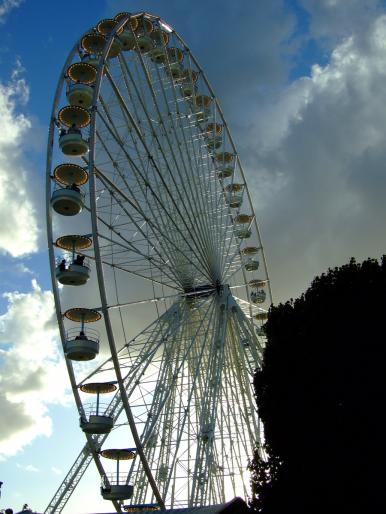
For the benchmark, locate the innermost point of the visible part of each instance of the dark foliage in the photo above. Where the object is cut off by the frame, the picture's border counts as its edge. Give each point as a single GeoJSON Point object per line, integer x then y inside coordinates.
{"type": "Point", "coordinates": [322, 394]}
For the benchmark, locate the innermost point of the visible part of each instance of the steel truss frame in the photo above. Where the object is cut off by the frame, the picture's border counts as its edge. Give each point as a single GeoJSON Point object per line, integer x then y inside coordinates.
{"type": "Point", "coordinates": [159, 213]}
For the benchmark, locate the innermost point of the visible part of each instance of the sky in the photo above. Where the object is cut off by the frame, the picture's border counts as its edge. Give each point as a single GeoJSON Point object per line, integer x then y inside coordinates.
{"type": "Point", "coordinates": [301, 84]}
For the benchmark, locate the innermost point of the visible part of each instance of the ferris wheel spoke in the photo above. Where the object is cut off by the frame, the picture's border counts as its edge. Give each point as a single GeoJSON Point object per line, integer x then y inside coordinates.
{"type": "Point", "coordinates": [209, 404]}
{"type": "Point", "coordinates": [166, 405]}
{"type": "Point", "coordinates": [118, 193]}
{"type": "Point", "coordinates": [159, 216]}
{"type": "Point", "coordinates": [178, 168]}
{"type": "Point", "coordinates": [177, 211]}
{"type": "Point", "coordinates": [174, 344]}
{"type": "Point", "coordinates": [131, 264]}
{"type": "Point", "coordinates": [188, 177]}
{"type": "Point", "coordinates": [160, 230]}
{"type": "Point", "coordinates": [140, 177]}
{"type": "Point", "coordinates": [146, 345]}
{"type": "Point", "coordinates": [133, 246]}
{"type": "Point", "coordinates": [183, 421]}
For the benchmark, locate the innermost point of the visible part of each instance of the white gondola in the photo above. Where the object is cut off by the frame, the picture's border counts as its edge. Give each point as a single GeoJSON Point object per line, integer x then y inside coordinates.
{"type": "Point", "coordinates": [67, 201]}
{"type": "Point", "coordinates": [233, 199]}
{"type": "Point", "coordinates": [116, 492]}
{"type": "Point", "coordinates": [258, 296]}
{"type": "Point", "coordinates": [81, 345]}
{"type": "Point", "coordinates": [158, 55]}
{"type": "Point", "coordinates": [189, 79]}
{"type": "Point", "coordinates": [159, 37]}
{"type": "Point", "coordinates": [83, 71]}
{"type": "Point", "coordinates": [97, 424]}
{"type": "Point", "coordinates": [175, 70]}
{"type": "Point", "coordinates": [243, 232]}
{"type": "Point", "coordinates": [242, 226]}
{"type": "Point", "coordinates": [260, 331]}
{"type": "Point", "coordinates": [94, 421]}
{"type": "Point", "coordinates": [128, 40]}
{"type": "Point", "coordinates": [77, 272]}
{"type": "Point", "coordinates": [225, 172]}
{"type": "Point", "coordinates": [91, 59]}
{"type": "Point", "coordinates": [80, 95]}
{"type": "Point", "coordinates": [145, 43]}
{"type": "Point", "coordinates": [175, 55]}
{"type": "Point", "coordinates": [200, 114]}
{"type": "Point", "coordinates": [213, 143]}
{"type": "Point", "coordinates": [233, 192]}
{"type": "Point", "coordinates": [114, 485]}
{"type": "Point", "coordinates": [72, 143]}
{"type": "Point", "coordinates": [188, 89]}
{"type": "Point", "coordinates": [73, 275]}
{"type": "Point", "coordinates": [261, 316]}
{"type": "Point", "coordinates": [251, 264]}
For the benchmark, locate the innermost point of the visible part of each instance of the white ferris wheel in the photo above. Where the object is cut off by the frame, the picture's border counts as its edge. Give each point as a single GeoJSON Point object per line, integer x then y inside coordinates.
{"type": "Point", "coordinates": [150, 224]}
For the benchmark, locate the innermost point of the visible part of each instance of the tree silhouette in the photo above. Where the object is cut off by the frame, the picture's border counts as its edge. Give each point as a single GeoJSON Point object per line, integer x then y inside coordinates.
{"type": "Point", "coordinates": [321, 395]}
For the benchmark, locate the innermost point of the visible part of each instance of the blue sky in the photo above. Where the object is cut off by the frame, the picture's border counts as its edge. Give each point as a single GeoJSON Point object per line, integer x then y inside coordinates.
{"type": "Point", "coordinates": [301, 84]}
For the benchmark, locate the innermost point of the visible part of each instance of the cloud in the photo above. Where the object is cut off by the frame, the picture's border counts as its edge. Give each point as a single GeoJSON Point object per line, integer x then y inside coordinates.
{"type": "Point", "coordinates": [6, 6]}
{"type": "Point", "coordinates": [323, 160]}
{"type": "Point", "coordinates": [15, 268]}
{"type": "Point", "coordinates": [27, 467]}
{"type": "Point", "coordinates": [18, 230]}
{"type": "Point", "coordinates": [241, 46]}
{"type": "Point", "coordinates": [332, 20]}
{"type": "Point", "coordinates": [32, 371]}
{"type": "Point", "coordinates": [56, 471]}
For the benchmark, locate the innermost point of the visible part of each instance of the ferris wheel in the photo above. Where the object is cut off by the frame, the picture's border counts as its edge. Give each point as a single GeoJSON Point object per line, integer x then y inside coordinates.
{"type": "Point", "coordinates": [158, 271]}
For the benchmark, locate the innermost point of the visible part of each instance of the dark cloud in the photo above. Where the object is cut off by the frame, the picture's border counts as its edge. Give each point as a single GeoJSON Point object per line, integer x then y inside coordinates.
{"type": "Point", "coordinates": [312, 149]}
{"type": "Point", "coordinates": [329, 206]}
{"type": "Point", "coordinates": [242, 47]}
{"type": "Point", "coordinates": [14, 419]}
{"type": "Point", "coordinates": [331, 20]}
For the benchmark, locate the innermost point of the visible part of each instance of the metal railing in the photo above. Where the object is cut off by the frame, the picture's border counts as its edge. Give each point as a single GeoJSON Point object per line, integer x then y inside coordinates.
{"type": "Point", "coordinates": [89, 334]}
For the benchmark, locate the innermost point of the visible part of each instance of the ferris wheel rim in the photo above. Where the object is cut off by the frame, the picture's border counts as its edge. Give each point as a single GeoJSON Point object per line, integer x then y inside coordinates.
{"type": "Point", "coordinates": [105, 306]}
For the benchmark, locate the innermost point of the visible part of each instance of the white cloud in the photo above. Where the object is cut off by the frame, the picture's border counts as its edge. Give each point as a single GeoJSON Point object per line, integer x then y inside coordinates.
{"type": "Point", "coordinates": [28, 467]}
{"type": "Point", "coordinates": [16, 268]}
{"type": "Point", "coordinates": [323, 158]}
{"type": "Point", "coordinates": [6, 6]}
{"type": "Point", "coordinates": [32, 370]}
{"type": "Point", "coordinates": [18, 229]}
{"type": "Point", "coordinates": [56, 471]}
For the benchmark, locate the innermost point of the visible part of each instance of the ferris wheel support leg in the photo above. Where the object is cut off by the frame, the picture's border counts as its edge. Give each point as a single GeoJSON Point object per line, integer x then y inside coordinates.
{"type": "Point", "coordinates": [205, 447]}
{"type": "Point", "coordinates": [72, 479]}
